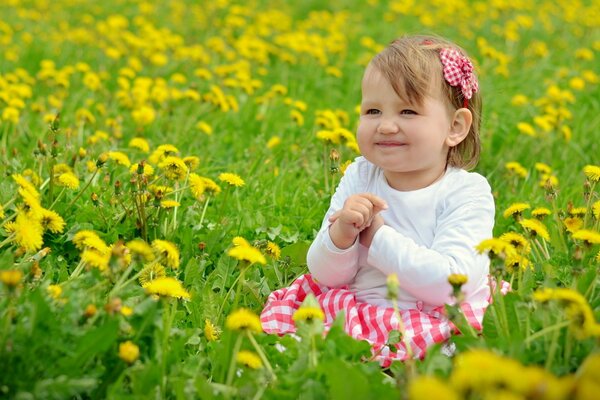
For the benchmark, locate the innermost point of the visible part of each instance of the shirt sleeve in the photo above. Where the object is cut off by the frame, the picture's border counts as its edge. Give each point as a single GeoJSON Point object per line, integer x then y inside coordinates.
{"type": "Point", "coordinates": [467, 219]}
{"type": "Point", "coordinates": [327, 263]}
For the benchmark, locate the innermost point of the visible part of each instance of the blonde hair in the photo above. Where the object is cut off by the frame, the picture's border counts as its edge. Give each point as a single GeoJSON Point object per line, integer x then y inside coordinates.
{"type": "Point", "coordinates": [409, 63]}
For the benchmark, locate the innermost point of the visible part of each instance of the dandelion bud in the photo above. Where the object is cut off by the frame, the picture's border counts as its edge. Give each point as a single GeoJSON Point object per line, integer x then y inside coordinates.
{"type": "Point", "coordinates": [55, 124]}
{"type": "Point", "coordinates": [36, 271]}
{"type": "Point", "coordinates": [201, 246]}
{"type": "Point", "coordinates": [113, 306]}
{"type": "Point", "coordinates": [129, 352]}
{"type": "Point", "coordinates": [334, 155]}
{"type": "Point", "coordinates": [587, 190]}
{"type": "Point", "coordinates": [81, 152]}
{"type": "Point", "coordinates": [392, 286]}
{"type": "Point", "coordinates": [90, 311]}
{"type": "Point", "coordinates": [102, 158]}
{"type": "Point", "coordinates": [117, 188]}
{"type": "Point", "coordinates": [41, 147]}
{"type": "Point", "coordinates": [140, 167]}
{"type": "Point", "coordinates": [94, 198]}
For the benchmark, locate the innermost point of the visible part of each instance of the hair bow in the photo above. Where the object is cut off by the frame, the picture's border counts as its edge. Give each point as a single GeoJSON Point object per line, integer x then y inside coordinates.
{"type": "Point", "coordinates": [458, 71]}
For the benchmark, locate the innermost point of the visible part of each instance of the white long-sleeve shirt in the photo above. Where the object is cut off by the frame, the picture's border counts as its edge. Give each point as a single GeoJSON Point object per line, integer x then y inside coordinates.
{"type": "Point", "coordinates": [428, 234]}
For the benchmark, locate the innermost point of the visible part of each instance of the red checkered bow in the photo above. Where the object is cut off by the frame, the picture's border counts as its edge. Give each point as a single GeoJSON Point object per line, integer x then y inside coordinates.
{"type": "Point", "coordinates": [458, 71]}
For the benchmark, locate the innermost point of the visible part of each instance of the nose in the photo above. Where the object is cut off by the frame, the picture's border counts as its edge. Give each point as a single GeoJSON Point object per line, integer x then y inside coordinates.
{"type": "Point", "coordinates": [387, 126]}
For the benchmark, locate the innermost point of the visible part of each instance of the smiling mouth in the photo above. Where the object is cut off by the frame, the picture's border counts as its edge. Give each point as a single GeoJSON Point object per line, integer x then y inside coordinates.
{"type": "Point", "coordinates": [390, 144]}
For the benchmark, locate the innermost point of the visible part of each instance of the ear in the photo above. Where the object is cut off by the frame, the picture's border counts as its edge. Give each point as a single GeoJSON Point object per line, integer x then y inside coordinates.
{"type": "Point", "coordinates": [459, 127]}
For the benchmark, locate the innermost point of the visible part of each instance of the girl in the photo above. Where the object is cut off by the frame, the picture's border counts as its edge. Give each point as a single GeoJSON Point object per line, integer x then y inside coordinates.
{"type": "Point", "coordinates": [406, 207]}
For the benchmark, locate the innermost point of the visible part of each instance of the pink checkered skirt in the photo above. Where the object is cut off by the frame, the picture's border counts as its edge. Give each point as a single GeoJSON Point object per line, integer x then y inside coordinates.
{"type": "Point", "coordinates": [365, 321]}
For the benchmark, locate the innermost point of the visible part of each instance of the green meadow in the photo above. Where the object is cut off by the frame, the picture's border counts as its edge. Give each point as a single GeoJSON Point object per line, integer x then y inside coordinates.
{"type": "Point", "coordinates": [165, 166]}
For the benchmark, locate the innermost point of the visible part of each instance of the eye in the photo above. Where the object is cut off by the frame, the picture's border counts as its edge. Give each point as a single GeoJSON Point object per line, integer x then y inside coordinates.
{"type": "Point", "coordinates": [408, 112]}
{"type": "Point", "coordinates": [372, 111]}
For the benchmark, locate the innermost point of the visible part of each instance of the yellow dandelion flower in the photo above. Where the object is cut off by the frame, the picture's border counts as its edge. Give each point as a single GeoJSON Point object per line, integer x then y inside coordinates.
{"type": "Point", "coordinates": [273, 142]}
{"type": "Point", "coordinates": [592, 172]}
{"type": "Point", "coordinates": [126, 311]}
{"type": "Point", "coordinates": [519, 100]}
{"type": "Point", "coordinates": [249, 359]}
{"type": "Point", "coordinates": [169, 204]}
{"type": "Point", "coordinates": [11, 277]}
{"type": "Point", "coordinates": [518, 241]}
{"type": "Point", "coordinates": [85, 239]}
{"type": "Point", "coordinates": [31, 205]}
{"type": "Point", "coordinates": [243, 319]}
{"type": "Point", "coordinates": [167, 251]}
{"type": "Point", "coordinates": [54, 291]}
{"type": "Point", "coordinates": [211, 332]}
{"type": "Point", "coordinates": [162, 151]}
{"type": "Point", "coordinates": [231, 179]}
{"type": "Point", "coordinates": [159, 190]}
{"type": "Point", "coordinates": [174, 168]}
{"type": "Point", "coordinates": [457, 279]}
{"type": "Point", "coordinates": [297, 117]}
{"type": "Point", "coordinates": [540, 212]}
{"type": "Point", "coordinates": [68, 180]}
{"type": "Point", "coordinates": [151, 272]}
{"type": "Point", "coordinates": [425, 387]}
{"type": "Point", "coordinates": [167, 287]}
{"type": "Point", "coordinates": [543, 168]}
{"type": "Point", "coordinates": [120, 158]}
{"type": "Point", "coordinates": [129, 352]}
{"type": "Point", "coordinates": [578, 211]}
{"type": "Point", "coordinates": [273, 250]}
{"type": "Point", "coordinates": [197, 186]}
{"type": "Point", "coordinates": [526, 129]}
{"type": "Point", "coordinates": [573, 224]}
{"type": "Point", "coordinates": [140, 144]}
{"type": "Point", "coordinates": [148, 170]}
{"type": "Point", "coordinates": [96, 259]}
{"type": "Point", "coordinates": [596, 209]}
{"type": "Point", "coordinates": [535, 228]}
{"type": "Point", "coordinates": [328, 136]}
{"type": "Point", "coordinates": [515, 210]}
{"type": "Point", "coordinates": [308, 314]}
{"type": "Point", "coordinates": [496, 248]}
{"type": "Point", "coordinates": [1, 212]}
{"type": "Point", "coordinates": [204, 127]}
{"type": "Point", "coordinates": [517, 169]}
{"type": "Point", "coordinates": [143, 115]}
{"type": "Point", "coordinates": [516, 262]}
{"type": "Point", "coordinates": [211, 186]}
{"type": "Point", "coordinates": [548, 181]}
{"type": "Point", "coordinates": [26, 185]}
{"type": "Point", "coordinates": [587, 236]}
{"type": "Point", "coordinates": [249, 254]}
{"type": "Point", "coordinates": [51, 221]}
{"type": "Point", "coordinates": [192, 162]}
{"type": "Point", "coordinates": [27, 232]}
{"type": "Point", "coordinates": [576, 307]}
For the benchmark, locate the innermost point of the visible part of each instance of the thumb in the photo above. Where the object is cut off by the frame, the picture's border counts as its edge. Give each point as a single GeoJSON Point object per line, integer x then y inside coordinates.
{"type": "Point", "coordinates": [333, 217]}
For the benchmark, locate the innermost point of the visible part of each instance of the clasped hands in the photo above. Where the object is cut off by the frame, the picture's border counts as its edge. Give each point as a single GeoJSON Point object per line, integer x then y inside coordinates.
{"type": "Point", "coordinates": [359, 217]}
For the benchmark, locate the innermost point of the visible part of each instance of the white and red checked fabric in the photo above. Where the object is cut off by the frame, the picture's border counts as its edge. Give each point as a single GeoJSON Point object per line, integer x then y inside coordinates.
{"type": "Point", "coordinates": [364, 321]}
{"type": "Point", "coordinates": [458, 71]}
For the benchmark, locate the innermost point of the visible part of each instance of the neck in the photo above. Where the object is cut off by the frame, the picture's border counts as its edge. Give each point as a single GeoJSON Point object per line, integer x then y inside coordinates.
{"type": "Point", "coordinates": [415, 180]}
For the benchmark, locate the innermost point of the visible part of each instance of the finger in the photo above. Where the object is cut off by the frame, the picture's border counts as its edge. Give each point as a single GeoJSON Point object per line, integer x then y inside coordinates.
{"type": "Point", "coordinates": [379, 204]}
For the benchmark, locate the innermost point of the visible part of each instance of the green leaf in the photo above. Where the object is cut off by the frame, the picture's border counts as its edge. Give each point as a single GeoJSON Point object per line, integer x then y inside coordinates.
{"type": "Point", "coordinates": [296, 252]}
{"type": "Point", "coordinates": [95, 342]}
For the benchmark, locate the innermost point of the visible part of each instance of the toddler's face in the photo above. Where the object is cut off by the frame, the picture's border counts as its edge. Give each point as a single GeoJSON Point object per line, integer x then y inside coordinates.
{"type": "Point", "coordinates": [408, 141]}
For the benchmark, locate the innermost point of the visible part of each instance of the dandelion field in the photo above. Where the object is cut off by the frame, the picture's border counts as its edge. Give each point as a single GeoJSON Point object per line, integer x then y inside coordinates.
{"type": "Point", "coordinates": [166, 165]}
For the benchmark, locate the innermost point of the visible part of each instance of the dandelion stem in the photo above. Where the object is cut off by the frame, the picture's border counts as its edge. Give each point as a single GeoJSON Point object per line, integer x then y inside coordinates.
{"type": "Point", "coordinates": [7, 240]}
{"type": "Point", "coordinates": [544, 331]}
{"type": "Point", "coordinates": [88, 183]}
{"type": "Point", "coordinates": [168, 314]}
{"type": "Point", "coordinates": [262, 355]}
{"type": "Point", "coordinates": [77, 270]}
{"type": "Point", "coordinates": [204, 210]}
{"type": "Point", "coordinates": [58, 198]}
{"type": "Point", "coordinates": [552, 349]}
{"type": "Point", "coordinates": [236, 349]}
{"type": "Point", "coordinates": [228, 293]}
